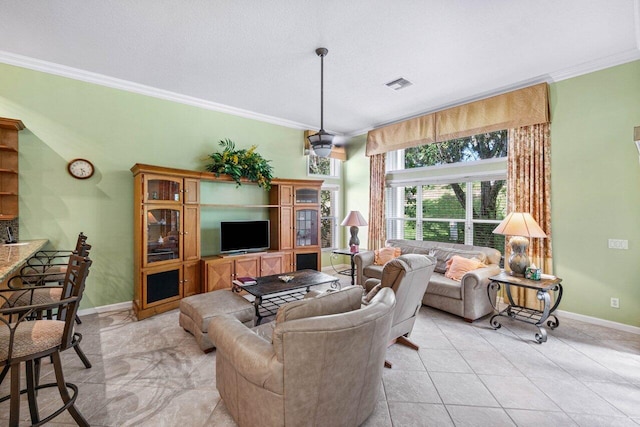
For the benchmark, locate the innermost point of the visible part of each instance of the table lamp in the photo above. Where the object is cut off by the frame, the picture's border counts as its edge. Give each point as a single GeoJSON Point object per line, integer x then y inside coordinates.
{"type": "Point", "coordinates": [354, 219]}
{"type": "Point", "coordinates": [521, 226]}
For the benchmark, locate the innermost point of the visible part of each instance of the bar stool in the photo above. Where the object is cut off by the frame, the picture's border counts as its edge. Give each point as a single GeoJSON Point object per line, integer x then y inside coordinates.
{"type": "Point", "coordinates": [23, 339]}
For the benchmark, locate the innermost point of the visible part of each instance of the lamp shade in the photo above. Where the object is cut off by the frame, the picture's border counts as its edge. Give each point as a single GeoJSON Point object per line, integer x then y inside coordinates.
{"type": "Point", "coordinates": [519, 224]}
{"type": "Point", "coordinates": [321, 143]}
{"type": "Point", "coordinates": [354, 218]}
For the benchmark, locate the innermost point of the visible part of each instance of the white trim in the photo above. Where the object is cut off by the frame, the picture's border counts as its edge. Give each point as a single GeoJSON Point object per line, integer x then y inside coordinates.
{"type": "Point", "coordinates": [112, 82]}
{"type": "Point", "coordinates": [600, 322]}
{"type": "Point", "coordinates": [127, 305]}
{"type": "Point", "coordinates": [450, 165]}
{"type": "Point", "coordinates": [447, 179]}
{"type": "Point", "coordinates": [636, 9]}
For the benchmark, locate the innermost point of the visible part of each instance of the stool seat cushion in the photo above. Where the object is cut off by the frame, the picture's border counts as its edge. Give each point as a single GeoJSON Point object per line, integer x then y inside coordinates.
{"type": "Point", "coordinates": [31, 338]}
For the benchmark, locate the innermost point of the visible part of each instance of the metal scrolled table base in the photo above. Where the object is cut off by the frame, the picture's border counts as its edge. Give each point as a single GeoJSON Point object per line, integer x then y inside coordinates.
{"type": "Point", "coordinates": [526, 314]}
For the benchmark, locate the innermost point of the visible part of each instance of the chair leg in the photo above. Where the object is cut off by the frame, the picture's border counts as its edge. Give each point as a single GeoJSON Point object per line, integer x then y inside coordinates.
{"type": "Point", "coordinates": [387, 364]}
{"type": "Point", "coordinates": [64, 393]}
{"type": "Point", "coordinates": [14, 406]}
{"type": "Point", "coordinates": [78, 321]}
{"type": "Point", "coordinates": [4, 372]}
{"type": "Point", "coordinates": [407, 342]}
{"type": "Point", "coordinates": [31, 391]}
{"type": "Point", "coordinates": [77, 337]}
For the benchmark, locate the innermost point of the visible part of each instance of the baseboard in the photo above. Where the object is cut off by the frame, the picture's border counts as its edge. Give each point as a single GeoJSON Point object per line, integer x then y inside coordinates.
{"type": "Point", "coordinates": [127, 305]}
{"type": "Point", "coordinates": [593, 320]}
{"type": "Point", "coordinates": [600, 322]}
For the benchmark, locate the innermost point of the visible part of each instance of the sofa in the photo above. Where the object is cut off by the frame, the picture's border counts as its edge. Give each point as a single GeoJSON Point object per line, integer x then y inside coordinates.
{"type": "Point", "coordinates": [320, 365]}
{"type": "Point", "coordinates": [466, 298]}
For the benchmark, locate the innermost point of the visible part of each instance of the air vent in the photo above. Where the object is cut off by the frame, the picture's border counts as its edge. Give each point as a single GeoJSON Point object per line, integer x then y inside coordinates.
{"type": "Point", "coordinates": [398, 84]}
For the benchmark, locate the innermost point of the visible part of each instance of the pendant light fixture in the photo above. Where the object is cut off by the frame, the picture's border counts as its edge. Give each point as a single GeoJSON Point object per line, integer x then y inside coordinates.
{"type": "Point", "coordinates": [322, 141]}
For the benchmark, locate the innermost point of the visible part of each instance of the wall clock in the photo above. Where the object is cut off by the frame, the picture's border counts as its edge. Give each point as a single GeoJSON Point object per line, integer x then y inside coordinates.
{"type": "Point", "coordinates": [80, 168]}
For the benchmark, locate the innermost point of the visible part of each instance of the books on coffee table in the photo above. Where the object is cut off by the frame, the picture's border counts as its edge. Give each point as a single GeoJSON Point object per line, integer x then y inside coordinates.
{"type": "Point", "coordinates": [248, 280]}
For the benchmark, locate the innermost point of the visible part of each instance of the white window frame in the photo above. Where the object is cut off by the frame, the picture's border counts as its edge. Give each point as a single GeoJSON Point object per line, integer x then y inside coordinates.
{"type": "Point", "coordinates": [335, 209]}
{"type": "Point", "coordinates": [334, 168]}
{"type": "Point", "coordinates": [450, 173]}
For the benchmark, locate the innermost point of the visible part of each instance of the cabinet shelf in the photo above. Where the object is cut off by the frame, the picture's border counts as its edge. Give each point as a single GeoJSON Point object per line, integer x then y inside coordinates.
{"type": "Point", "coordinates": [8, 148]}
{"type": "Point", "coordinates": [8, 171]}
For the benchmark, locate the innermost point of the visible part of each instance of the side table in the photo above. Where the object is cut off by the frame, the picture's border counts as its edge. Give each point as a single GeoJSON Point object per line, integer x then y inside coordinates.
{"type": "Point", "coordinates": [353, 264]}
{"type": "Point", "coordinates": [526, 314]}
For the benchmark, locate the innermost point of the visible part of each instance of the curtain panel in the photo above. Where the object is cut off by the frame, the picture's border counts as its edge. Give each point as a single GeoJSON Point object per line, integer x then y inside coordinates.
{"type": "Point", "coordinates": [529, 190]}
{"type": "Point", "coordinates": [377, 232]}
{"type": "Point", "coordinates": [523, 107]}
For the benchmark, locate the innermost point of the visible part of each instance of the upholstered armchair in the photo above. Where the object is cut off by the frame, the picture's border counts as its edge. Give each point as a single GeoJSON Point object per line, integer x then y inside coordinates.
{"type": "Point", "coordinates": [316, 370]}
{"type": "Point", "coordinates": [408, 276]}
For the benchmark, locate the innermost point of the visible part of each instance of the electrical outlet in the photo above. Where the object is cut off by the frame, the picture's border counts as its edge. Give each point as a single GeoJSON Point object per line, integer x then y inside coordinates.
{"type": "Point", "coordinates": [615, 302]}
{"type": "Point", "coordinates": [618, 244]}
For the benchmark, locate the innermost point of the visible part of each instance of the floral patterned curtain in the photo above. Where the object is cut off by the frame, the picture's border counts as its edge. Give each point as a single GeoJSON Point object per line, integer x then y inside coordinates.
{"type": "Point", "coordinates": [529, 190]}
{"type": "Point", "coordinates": [376, 237]}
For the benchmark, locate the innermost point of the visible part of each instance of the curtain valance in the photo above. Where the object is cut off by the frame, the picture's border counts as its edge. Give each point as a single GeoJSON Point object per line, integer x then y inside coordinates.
{"type": "Point", "coordinates": [523, 107]}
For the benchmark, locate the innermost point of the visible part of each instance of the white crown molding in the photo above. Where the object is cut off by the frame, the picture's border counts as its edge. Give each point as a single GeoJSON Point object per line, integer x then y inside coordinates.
{"type": "Point", "coordinates": [102, 80]}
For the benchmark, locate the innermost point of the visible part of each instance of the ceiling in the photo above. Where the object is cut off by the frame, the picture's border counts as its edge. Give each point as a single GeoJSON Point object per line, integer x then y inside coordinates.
{"type": "Point", "coordinates": [257, 58]}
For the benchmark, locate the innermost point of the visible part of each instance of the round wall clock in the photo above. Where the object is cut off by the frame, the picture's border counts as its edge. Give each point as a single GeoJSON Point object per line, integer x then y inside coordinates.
{"type": "Point", "coordinates": [80, 168]}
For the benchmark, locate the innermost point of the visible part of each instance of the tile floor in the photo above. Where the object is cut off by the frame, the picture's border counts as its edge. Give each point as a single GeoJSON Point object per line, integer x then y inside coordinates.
{"type": "Point", "coordinates": [152, 373]}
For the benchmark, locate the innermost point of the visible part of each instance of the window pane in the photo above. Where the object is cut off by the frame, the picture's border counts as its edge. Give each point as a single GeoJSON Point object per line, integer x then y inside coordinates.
{"type": "Point", "coordinates": [489, 203]}
{"type": "Point", "coordinates": [328, 221]}
{"type": "Point", "coordinates": [326, 232]}
{"type": "Point", "coordinates": [476, 147]}
{"type": "Point", "coordinates": [319, 165]}
{"type": "Point", "coordinates": [410, 202]}
{"type": "Point", "coordinates": [443, 231]}
{"type": "Point", "coordinates": [443, 201]}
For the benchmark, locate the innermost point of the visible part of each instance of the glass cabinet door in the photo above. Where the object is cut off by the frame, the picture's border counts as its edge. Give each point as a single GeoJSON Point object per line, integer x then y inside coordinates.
{"type": "Point", "coordinates": [308, 196]}
{"type": "Point", "coordinates": [163, 243]}
{"type": "Point", "coordinates": [306, 227]}
{"type": "Point", "coordinates": [162, 189]}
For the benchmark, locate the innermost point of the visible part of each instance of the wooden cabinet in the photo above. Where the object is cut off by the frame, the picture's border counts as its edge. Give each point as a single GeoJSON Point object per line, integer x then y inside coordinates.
{"type": "Point", "coordinates": [295, 222]}
{"type": "Point", "coordinates": [219, 272]}
{"type": "Point", "coordinates": [166, 238]}
{"type": "Point", "coordinates": [9, 129]}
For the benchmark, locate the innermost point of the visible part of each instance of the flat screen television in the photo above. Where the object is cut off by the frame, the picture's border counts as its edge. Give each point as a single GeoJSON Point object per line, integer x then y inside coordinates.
{"type": "Point", "coordinates": [244, 236]}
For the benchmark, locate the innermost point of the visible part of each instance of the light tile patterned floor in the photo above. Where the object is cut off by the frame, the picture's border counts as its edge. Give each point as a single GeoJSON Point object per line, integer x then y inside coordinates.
{"type": "Point", "coordinates": [152, 373]}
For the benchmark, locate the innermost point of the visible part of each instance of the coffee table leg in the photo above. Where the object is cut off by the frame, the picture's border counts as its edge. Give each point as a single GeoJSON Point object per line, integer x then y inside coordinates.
{"type": "Point", "coordinates": [256, 303]}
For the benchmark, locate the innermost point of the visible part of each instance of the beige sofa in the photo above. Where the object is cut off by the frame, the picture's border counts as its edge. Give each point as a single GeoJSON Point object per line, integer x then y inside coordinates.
{"type": "Point", "coordinates": [467, 298]}
{"type": "Point", "coordinates": [315, 368]}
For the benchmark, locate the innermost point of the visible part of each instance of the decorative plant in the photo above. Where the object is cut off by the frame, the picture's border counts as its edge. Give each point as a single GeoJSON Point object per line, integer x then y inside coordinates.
{"type": "Point", "coordinates": [241, 164]}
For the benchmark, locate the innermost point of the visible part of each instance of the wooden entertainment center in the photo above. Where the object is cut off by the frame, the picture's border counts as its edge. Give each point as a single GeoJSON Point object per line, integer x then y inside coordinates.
{"type": "Point", "coordinates": [167, 262]}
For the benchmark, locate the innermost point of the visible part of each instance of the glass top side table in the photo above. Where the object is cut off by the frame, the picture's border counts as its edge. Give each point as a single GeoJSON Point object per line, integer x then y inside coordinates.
{"type": "Point", "coordinates": [526, 314]}
{"type": "Point", "coordinates": [353, 264]}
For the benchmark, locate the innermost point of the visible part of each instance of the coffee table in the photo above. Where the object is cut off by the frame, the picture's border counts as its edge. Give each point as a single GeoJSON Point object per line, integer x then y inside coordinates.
{"type": "Point", "coordinates": [271, 292]}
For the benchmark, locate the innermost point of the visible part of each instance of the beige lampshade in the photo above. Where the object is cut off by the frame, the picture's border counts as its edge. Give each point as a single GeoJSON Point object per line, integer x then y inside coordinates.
{"type": "Point", "coordinates": [354, 218]}
{"type": "Point", "coordinates": [519, 224]}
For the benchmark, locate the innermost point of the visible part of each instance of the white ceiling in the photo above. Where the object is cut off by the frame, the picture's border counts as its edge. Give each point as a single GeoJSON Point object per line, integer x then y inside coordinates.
{"type": "Point", "coordinates": [257, 58]}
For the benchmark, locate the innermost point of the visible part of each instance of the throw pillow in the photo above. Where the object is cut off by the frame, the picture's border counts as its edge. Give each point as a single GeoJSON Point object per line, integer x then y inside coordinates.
{"type": "Point", "coordinates": [384, 255]}
{"type": "Point", "coordinates": [458, 266]}
{"type": "Point", "coordinates": [443, 255]}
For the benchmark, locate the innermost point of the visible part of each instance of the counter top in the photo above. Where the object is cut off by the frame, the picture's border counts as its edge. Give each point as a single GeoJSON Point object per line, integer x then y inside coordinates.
{"type": "Point", "coordinates": [14, 255]}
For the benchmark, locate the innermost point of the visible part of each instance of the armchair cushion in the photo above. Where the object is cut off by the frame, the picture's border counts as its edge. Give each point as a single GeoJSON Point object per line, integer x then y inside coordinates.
{"type": "Point", "coordinates": [346, 299]}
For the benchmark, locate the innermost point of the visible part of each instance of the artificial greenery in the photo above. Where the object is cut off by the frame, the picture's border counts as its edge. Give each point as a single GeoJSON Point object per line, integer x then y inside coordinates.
{"type": "Point", "coordinates": [241, 164]}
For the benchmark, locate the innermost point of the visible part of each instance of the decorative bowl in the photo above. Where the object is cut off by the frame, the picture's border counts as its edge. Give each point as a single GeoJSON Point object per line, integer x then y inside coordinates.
{"type": "Point", "coordinates": [285, 279]}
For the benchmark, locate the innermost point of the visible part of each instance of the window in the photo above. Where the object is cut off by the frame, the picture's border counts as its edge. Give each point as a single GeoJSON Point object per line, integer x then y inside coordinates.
{"type": "Point", "coordinates": [323, 166]}
{"type": "Point", "coordinates": [328, 216]}
{"type": "Point", "coordinates": [449, 196]}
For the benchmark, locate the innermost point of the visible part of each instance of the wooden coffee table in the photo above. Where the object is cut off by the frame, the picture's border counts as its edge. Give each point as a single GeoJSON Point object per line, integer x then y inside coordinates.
{"type": "Point", "coordinates": [270, 292]}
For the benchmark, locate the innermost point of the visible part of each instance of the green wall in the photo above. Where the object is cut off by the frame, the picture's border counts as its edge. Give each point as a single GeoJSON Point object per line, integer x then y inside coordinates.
{"type": "Point", "coordinates": [115, 129]}
{"type": "Point", "coordinates": [595, 175]}
{"type": "Point", "coordinates": [595, 182]}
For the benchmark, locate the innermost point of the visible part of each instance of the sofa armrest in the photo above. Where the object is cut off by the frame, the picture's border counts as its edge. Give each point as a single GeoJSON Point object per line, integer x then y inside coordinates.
{"type": "Point", "coordinates": [362, 260]}
{"type": "Point", "coordinates": [474, 291]}
{"type": "Point", "coordinates": [251, 355]}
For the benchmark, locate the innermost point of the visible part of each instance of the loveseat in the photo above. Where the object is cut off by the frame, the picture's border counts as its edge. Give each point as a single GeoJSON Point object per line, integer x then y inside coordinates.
{"type": "Point", "coordinates": [466, 298]}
